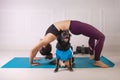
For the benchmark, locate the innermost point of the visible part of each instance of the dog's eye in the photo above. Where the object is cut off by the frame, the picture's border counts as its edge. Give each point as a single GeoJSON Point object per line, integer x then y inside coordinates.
{"type": "Point", "coordinates": [64, 34]}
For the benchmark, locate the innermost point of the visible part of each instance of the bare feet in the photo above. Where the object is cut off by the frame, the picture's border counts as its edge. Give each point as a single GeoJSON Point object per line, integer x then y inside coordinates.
{"type": "Point", "coordinates": [100, 64]}
{"type": "Point", "coordinates": [91, 57]}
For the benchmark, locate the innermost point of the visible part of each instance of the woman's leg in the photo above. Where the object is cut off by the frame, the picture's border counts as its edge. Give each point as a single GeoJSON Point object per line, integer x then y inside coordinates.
{"type": "Point", "coordinates": [91, 47]}
{"type": "Point", "coordinates": [77, 28]}
{"type": "Point", "coordinates": [99, 47]}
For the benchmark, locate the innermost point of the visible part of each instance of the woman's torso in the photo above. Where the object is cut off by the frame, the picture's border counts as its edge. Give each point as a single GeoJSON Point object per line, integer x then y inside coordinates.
{"type": "Point", "coordinates": [62, 25]}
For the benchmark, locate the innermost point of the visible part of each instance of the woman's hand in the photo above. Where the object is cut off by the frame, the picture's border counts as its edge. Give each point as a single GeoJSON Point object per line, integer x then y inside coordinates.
{"type": "Point", "coordinates": [35, 64]}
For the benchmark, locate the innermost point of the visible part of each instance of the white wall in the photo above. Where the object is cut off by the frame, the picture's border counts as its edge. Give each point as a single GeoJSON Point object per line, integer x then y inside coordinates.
{"type": "Point", "coordinates": [24, 22]}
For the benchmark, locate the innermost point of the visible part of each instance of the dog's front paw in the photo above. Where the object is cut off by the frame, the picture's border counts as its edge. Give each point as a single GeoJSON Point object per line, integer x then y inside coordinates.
{"type": "Point", "coordinates": [70, 69]}
{"type": "Point", "coordinates": [56, 70]}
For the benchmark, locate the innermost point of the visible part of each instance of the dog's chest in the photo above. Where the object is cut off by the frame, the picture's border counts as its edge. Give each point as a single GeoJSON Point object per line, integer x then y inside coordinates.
{"type": "Point", "coordinates": [63, 46]}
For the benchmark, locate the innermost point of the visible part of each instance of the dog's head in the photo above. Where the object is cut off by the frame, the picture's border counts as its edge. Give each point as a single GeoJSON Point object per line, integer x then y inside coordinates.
{"type": "Point", "coordinates": [64, 36]}
{"type": "Point", "coordinates": [63, 40]}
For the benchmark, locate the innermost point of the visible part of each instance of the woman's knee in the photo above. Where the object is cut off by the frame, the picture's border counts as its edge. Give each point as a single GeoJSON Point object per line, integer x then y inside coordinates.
{"type": "Point", "coordinates": [102, 37]}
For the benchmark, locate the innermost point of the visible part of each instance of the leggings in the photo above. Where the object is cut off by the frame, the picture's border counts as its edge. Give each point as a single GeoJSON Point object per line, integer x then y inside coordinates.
{"type": "Point", "coordinates": [77, 27]}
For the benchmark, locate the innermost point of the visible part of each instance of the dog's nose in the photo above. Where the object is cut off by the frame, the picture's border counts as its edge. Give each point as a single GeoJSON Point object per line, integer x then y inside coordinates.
{"type": "Point", "coordinates": [66, 39]}
{"type": "Point", "coordinates": [67, 36]}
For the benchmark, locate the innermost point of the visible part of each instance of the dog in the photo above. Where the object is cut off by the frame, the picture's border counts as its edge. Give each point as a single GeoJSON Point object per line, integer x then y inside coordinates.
{"type": "Point", "coordinates": [64, 50]}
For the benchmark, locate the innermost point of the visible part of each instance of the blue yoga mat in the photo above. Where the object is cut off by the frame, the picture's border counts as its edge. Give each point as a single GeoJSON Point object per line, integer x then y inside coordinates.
{"type": "Point", "coordinates": [80, 62]}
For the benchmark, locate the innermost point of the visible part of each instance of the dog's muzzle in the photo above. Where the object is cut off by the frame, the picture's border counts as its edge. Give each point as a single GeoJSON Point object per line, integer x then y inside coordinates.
{"type": "Point", "coordinates": [65, 36]}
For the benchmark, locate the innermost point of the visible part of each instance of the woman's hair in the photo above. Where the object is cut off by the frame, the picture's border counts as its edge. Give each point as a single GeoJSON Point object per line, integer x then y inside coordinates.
{"type": "Point", "coordinates": [46, 51]}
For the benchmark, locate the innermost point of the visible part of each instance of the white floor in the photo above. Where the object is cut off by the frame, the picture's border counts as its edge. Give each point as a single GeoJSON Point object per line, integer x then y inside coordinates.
{"type": "Point", "coordinates": [48, 74]}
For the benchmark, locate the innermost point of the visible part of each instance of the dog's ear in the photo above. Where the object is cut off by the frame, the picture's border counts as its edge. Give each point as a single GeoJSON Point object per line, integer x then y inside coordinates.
{"type": "Point", "coordinates": [59, 36]}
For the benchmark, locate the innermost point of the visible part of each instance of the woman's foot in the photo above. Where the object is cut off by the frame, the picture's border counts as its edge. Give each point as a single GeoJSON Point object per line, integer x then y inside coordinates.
{"type": "Point", "coordinates": [91, 57]}
{"type": "Point", "coordinates": [100, 64]}
{"type": "Point", "coordinates": [91, 53]}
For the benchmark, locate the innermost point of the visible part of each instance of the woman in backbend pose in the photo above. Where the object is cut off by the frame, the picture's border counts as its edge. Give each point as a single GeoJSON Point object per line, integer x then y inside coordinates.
{"type": "Point", "coordinates": [76, 28]}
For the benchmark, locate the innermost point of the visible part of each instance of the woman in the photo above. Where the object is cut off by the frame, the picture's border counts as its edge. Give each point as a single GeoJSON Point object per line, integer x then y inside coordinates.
{"type": "Point", "coordinates": [76, 28]}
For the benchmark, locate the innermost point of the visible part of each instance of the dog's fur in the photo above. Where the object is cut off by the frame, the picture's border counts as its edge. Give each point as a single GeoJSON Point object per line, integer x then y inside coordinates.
{"type": "Point", "coordinates": [64, 45]}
